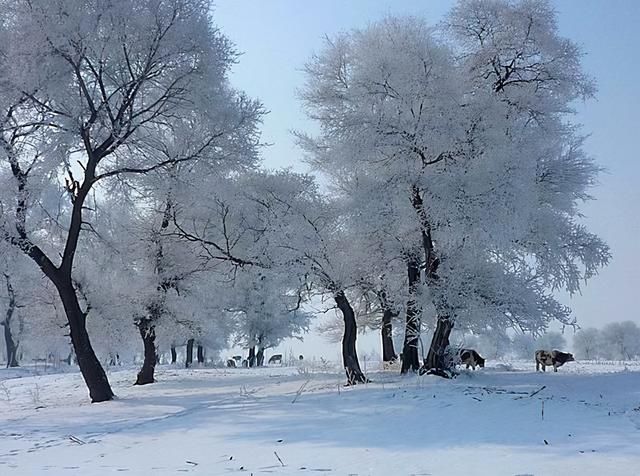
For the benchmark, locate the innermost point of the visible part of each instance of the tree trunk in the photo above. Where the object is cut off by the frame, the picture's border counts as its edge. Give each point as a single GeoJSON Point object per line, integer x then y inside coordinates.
{"type": "Point", "coordinates": [174, 354]}
{"type": "Point", "coordinates": [349, 354]}
{"type": "Point", "coordinates": [90, 367]}
{"type": "Point", "coordinates": [200, 354]}
{"type": "Point", "coordinates": [388, 352]}
{"type": "Point", "coordinates": [437, 356]}
{"type": "Point", "coordinates": [436, 361]}
{"type": "Point", "coordinates": [410, 358]}
{"type": "Point", "coordinates": [148, 334]}
{"type": "Point", "coordinates": [189, 358]}
{"type": "Point", "coordinates": [12, 347]}
{"type": "Point", "coordinates": [260, 357]}
{"type": "Point", "coordinates": [252, 356]}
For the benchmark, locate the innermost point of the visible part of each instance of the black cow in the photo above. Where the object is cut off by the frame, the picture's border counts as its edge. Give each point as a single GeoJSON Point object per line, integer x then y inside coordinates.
{"type": "Point", "coordinates": [554, 358]}
{"type": "Point", "coordinates": [470, 358]}
{"type": "Point", "coordinates": [275, 358]}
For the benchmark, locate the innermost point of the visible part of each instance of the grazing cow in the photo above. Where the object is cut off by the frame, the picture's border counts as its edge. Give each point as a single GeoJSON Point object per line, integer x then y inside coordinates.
{"type": "Point", "coordinates": [470, 358]}
{"type": "Point", "coordinates": [275, 359]}
{"type": "Point", "coordinates": [231, 363]}
{"type": "Point", "coordinates": [554, 358]}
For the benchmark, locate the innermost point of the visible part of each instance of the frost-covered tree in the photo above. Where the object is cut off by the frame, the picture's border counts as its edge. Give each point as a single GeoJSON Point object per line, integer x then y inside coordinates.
{"type": "Point", "coordinates": [523, 346]}
{"type": "Point", "coordinates": [620, 340]}
{"type": "Point", "coordinates": [90, 92]}
{"type": "Point", "coordinates": [494, 344]}
{"type": "Point", "coordinates": [267, 310]}
{"type": "Point", "coordinates": [551, 341]}
{"type": "Point", "coordinates": [587, 343]}
{"type": "Point", "coordinates": [470, 130]}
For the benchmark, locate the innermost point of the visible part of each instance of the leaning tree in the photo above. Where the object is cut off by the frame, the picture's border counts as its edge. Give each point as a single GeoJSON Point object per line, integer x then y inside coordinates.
{"type": "Point", "coordinates": [89, 93]}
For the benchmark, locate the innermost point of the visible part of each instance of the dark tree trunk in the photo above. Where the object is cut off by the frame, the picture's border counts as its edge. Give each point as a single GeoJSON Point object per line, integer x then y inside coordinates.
{"type": "Point", "coordinates": [90, 367]}
{"type": "Point", "coordinates": [251, 360]}
{"type": "Point", "coordinates": [437, 356]}
{"type": "Point", "coordinates": [200, 354]}
{"type": "Point", "coordinates": [410, 358]}
{"type": "Point", "coordinates": [388, 352]}
{"type": "Point", "coordinates": [174, 354]}
{"type": "Point", "coordinates": [260, 357]}
{"type": "Point", "coordinates": [148, 334]}
{"type": "Point", "coordinates": [189, 358]}
{"type": "Point", "coordinates": [12, 347]}
{"type": "Point", "coordinates": [436, 361]}
{"type": "Point", "coordinates": [349, 354]}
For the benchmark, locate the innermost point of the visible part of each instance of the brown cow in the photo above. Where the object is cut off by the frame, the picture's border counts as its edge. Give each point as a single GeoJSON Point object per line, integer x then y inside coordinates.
{"type": "Point", "coordinates": [554, 358]}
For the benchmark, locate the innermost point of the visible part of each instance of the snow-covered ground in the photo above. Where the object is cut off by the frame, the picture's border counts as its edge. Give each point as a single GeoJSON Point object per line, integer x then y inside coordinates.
{"type": "Point", "coordinates": [280, 420]}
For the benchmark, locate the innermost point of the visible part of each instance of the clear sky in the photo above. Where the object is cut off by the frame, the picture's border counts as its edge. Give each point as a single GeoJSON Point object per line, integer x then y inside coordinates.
{"type": "Point", "coordinates": [277, 37]}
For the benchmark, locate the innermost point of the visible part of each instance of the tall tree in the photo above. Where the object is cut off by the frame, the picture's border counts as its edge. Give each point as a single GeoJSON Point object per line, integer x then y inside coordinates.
{"type": "Point", "coordinates": [470, 126]}
{"type": "Point", "coordinates": [89, 93]}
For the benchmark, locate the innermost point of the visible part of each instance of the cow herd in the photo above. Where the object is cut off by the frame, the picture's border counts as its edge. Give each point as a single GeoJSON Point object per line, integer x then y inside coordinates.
{"type": "Point", "coordinates": [543, 358]}
{"type": "Point", "coordinates": [238, 361]}
{"type": "Point", "coordinates": [467, 357]}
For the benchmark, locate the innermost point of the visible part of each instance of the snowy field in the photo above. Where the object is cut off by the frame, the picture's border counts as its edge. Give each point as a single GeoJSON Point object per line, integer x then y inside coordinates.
{"type": "Point", "coordinates": [280, 420]}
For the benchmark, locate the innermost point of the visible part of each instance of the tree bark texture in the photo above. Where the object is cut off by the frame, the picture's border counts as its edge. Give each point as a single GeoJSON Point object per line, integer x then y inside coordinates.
{"type": "Point", "coordinates": [148, 334]}
{"type": "Point", "coordinates": [90, 367]}
{"type": "Point", "coordinates": [410, 358]}
{"type": "Point", "coordinates": [200, 354]}
{"type": "Point", "coordinates": [388, 352]}
{"type": "Point", "coordinates": [349, 354]}
{"type": "Point", "coordinates": [174, 354]}
{"type": "Point", "coordinates": [251, 359]}
{"type": "Point", "coordinates": [260, 357]}
{"type": "Point", "coordinates": [189, 357]}
{"type": "Point", "coordinates": [437, 356]}
{"type": "Point", "coordinates": [11, 345]}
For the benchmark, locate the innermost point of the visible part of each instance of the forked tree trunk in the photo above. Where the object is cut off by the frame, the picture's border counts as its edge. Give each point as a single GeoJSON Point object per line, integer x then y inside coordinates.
{"type": "Point", "coordinates": [251, 360]}
{"type": "Point", "coordinates": [92, 372]}
{"type": "Point", "coordinates": [437, 357]}
{"type": "Point", "coordinates": [260, 357]}
{"type": "Point", "coordinates": [174, 354]}
{"type": "Point", "coordinates": [410, 358]}
{"type": "Point", "coordinates": [12, 347]}
{"type": "Point", "coordinates": [200, 354]}
{"type": "Point", "coordinates": [148, 334]}
{"type": "Point", "coordinates": [349, 354]}
{"type": "Point", "coordinates": [189, 357]}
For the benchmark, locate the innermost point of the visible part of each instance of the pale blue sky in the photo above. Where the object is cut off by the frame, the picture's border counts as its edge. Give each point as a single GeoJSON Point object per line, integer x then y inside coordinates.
{"type": "Point", "coordinates": [278, 36]}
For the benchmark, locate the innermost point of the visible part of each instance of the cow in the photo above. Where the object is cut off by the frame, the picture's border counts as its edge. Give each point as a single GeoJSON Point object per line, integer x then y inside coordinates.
{"type": "Point", "coordinates": [275, 358]}
{"type": "Point", "coordinates": [231, 363]}
{"type": "Point", "coordinates": [470, 358]}
{"type": "Point", "coordinates": [554, 358]}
